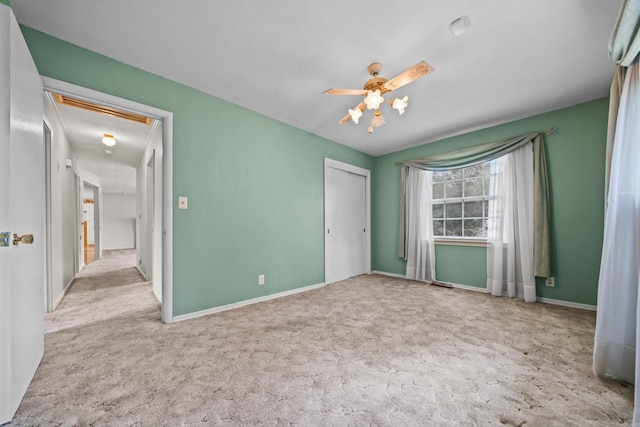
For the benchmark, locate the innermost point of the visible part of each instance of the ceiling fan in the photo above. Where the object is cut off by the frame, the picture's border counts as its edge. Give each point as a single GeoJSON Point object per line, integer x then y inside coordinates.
{"type": "Point", "coordinates": [377, 86]}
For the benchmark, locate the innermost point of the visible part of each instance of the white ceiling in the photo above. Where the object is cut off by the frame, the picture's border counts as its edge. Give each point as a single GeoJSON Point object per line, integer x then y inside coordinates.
{"type": "Point", "coordinates": [517, 59]}
{"type": "Point", "coordinates": [84, 131]}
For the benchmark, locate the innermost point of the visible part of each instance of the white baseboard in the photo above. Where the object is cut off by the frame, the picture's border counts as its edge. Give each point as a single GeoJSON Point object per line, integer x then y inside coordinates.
{"type": "Point", "coordinates": [244, 303]}
{"type": "Point", "coordinates": [484, 290]}
{"type": "Point", "coordinates": [567, 303]}
{"type": "Point", "coordinates": [63, 293]}
{"type": "Point", "coordinates": [466, 287]}
{"type": "Point", "coordinates": [142, 273]}
{"type": "Point", "coordinates": [384, 273]}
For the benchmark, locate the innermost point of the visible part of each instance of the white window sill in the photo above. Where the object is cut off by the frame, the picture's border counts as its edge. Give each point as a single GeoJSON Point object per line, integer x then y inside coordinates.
{"type": "Point", "coordinates": [461, 242]}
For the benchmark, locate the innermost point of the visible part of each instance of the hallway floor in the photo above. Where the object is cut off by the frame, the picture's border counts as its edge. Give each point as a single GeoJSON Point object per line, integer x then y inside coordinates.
{"type": "Point", "coordinates": [106, 288]}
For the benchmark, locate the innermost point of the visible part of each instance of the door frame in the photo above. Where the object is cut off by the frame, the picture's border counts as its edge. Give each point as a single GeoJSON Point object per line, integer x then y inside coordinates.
{"type": "Point", "coordinates": [48, 292]}
{"type": "Point", "coordinates": [166, 117]}
{"type": "Point", "coordinates": [366, 173]}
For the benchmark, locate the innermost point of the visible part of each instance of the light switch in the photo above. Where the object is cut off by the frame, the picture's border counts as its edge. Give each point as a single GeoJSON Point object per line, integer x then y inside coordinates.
{"type": "Point", "coordinates": [183, 202]}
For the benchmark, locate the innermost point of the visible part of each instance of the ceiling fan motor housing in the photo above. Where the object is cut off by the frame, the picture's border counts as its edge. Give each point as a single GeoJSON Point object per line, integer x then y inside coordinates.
{"type": "Point", "coordinates": [375, 83]}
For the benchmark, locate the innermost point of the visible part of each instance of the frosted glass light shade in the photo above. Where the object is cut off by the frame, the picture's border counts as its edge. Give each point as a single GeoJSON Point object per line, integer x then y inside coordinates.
{"type": "Point", "coordinates": [400, 104]}
{"type": "Point", "coordinates": [108, 140]}
{"type": "Point", "coordinates": [355, 115]}
{"type": "Point", "coordinates": [373, 99]}
{"type": "Point", "coordinates": [377, 120]}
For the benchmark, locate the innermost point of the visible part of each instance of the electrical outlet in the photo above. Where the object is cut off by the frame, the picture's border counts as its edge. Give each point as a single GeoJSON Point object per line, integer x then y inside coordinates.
{"type": "Point", "coordinates": [261, 279]}
{"type": "Point", "coordinates": [183, 202]}
{"type": "Point", "coordinates": [550, 282]}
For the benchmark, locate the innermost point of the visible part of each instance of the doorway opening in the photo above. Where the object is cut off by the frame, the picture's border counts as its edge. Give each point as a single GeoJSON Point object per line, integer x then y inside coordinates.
{"type": "Point", "coordinates": [108, 214]}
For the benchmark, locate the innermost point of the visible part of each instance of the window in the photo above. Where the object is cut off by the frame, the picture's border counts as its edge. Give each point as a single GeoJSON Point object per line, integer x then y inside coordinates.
{"type": "Point", "coordinates": [460, 202]}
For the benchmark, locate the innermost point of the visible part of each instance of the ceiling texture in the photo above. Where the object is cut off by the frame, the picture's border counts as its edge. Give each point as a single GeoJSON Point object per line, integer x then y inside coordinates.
{"type": "Point", "coordinates": [516, 59]}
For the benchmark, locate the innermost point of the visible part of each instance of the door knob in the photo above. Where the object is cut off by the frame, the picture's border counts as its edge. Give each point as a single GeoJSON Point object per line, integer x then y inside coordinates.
{"type": "Point", "coordinates": [27, 239]}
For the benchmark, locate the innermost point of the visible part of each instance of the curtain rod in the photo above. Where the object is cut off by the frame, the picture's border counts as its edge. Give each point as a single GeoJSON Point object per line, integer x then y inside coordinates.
{"type": "Point", "coordinates": [549, 131]}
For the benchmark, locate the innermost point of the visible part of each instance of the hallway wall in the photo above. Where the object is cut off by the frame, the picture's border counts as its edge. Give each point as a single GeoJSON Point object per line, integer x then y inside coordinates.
{"type": "Point", "coordinates": [62, 203]}
{"type": "Point", "coordinates": [118, 227]}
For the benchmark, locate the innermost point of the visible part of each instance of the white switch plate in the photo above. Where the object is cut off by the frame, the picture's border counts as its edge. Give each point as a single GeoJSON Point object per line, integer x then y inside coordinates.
{"type": "Point", "coordinates": [183, 202]}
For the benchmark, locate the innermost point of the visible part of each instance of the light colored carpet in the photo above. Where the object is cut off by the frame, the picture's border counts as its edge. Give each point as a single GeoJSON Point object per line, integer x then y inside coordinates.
{"type": "Point", "coordinates": [371, 350]}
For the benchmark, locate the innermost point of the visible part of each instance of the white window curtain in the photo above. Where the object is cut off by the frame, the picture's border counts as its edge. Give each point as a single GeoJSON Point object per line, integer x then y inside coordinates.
{"type": "Point", "coordinates": [510, 226]}
{"type": "Point", "coordinates": [617, 318]}
{"type": "Point", "coordinates": [420, 247]}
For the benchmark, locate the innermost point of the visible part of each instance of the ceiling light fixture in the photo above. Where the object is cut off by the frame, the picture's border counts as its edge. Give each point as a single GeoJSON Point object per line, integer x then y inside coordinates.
{"type": "Point", "coordinates": [377, 86]}
{"type": "Point", "coordinates": [108, 140]}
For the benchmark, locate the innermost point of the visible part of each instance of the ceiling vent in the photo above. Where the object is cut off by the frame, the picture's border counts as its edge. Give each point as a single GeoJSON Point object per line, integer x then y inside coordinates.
{"type": "Point", "coordinates": [85, 105]}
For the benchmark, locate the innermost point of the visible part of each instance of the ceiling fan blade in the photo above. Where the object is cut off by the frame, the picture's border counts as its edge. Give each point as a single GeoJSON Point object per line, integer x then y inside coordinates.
{"type": "Point", "coordinates": [345, 92]}
{"type": "Point", "coordinates": [414, 73]}
{"type": "Point", "coordinates": [346, 118]}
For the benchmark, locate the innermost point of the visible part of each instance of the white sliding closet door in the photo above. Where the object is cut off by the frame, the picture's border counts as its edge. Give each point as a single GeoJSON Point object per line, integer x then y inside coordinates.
{"type": "Point", "coordinates": [355, 216]}
{"type": "Point", "coordinates": [346, 224]}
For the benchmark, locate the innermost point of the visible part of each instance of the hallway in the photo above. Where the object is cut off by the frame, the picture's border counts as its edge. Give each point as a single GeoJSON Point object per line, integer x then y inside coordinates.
{"type": "Point", "coordinates": [104, 289]}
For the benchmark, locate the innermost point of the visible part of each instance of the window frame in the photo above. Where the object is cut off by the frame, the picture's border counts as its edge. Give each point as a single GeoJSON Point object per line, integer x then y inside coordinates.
{"type": "Point", "coordinates": [486, 175]}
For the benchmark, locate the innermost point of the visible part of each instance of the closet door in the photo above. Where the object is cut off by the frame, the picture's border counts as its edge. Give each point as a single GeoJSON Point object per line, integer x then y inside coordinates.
{"type": "Point", "coordinates": [356, 217]}
{"type": "Point", "coordinates": [336, 239]}
{"type": "Point", "coordinates": [345, 225]}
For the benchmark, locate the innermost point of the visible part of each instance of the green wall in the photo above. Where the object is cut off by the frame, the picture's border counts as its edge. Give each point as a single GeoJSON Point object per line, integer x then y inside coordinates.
{"type": "Point", "coordinates": [255, 189]}
{"type": "Point", "coordinates": [255, 185]}
{"type": "Point", "coordinates": [575, 157]}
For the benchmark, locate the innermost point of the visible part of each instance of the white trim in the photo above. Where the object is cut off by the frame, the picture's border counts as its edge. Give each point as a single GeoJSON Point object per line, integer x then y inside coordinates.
{"type": "Point", "coordinates": [346, 167]}
{"type": "Point", "coordinates": [484, 290]}
{"type": "Point", "coordinates": [384, 273]}
{"type": "Point", "coordinates": [63, 293]}
{"type": "Point", "coordinates": [567, 304]}
{"type": "Point", "coordinates": [466, 287]}
{"type": "Point", "coordinates": [366, 173]}
{"type": "Point", "coordinates": [141, 273]}
{"type": "Point", "coordinates": [245, 303]}
{"type": "Point", "coordinates": [461, 242]}
{"type": "Point", "coordinates": [87, 94]}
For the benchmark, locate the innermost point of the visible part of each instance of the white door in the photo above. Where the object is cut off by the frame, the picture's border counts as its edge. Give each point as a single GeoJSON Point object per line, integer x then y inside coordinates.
{"type": "Point", "coordinates": [357, 224]}
{"type": "Point", "coordinates": [336, 239]}
{"type": "Point", "coordinates": [346, 222]}
{"type": "Point", "coordinates": [22, 211]}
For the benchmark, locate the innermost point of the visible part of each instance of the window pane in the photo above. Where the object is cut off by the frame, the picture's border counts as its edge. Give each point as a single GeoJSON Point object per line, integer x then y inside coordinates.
{"type": "Point", "coordinates": [438, 227]}
{"type": "Point", "coordinates": [453, 189]}
{"type": "Point", "coordinates": [454, 210]}
{"type": "Point", "coordinates": [461, 204]}
{"type": "Point", "coordinates": [473, 209]}
{"type": "Point", "coordinates": [454, 227]}
{"type": "Point", "coordinates": [453, 174]}
{"type": "Point", "coordinates": [486, 168]}
{"type": "Point", "coordinates": [438, 191]}
{"type": "Point", "coordinates": [438, 211]}
{"type": "Point", "coordinates": [473, 171]}
{"type": "Point", "coordinates": [472, 187]}
{"type": "Point", "coordinates": [473, 228]}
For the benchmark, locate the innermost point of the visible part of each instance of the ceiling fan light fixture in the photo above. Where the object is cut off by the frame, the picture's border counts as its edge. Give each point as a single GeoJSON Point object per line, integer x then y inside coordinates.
{"type": "Point", "coordinates": [108, 140]}
{"type": "Point", "coordinates": [378, 119]}
{"type": "Point", "coordinates": [400, 104]}
{"type": "Point", "coordinates": [355, 114]}
{"type": "Point", "coordinates": [375, 87]}
{"type": "Point", "coordinates": [373, 99]}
